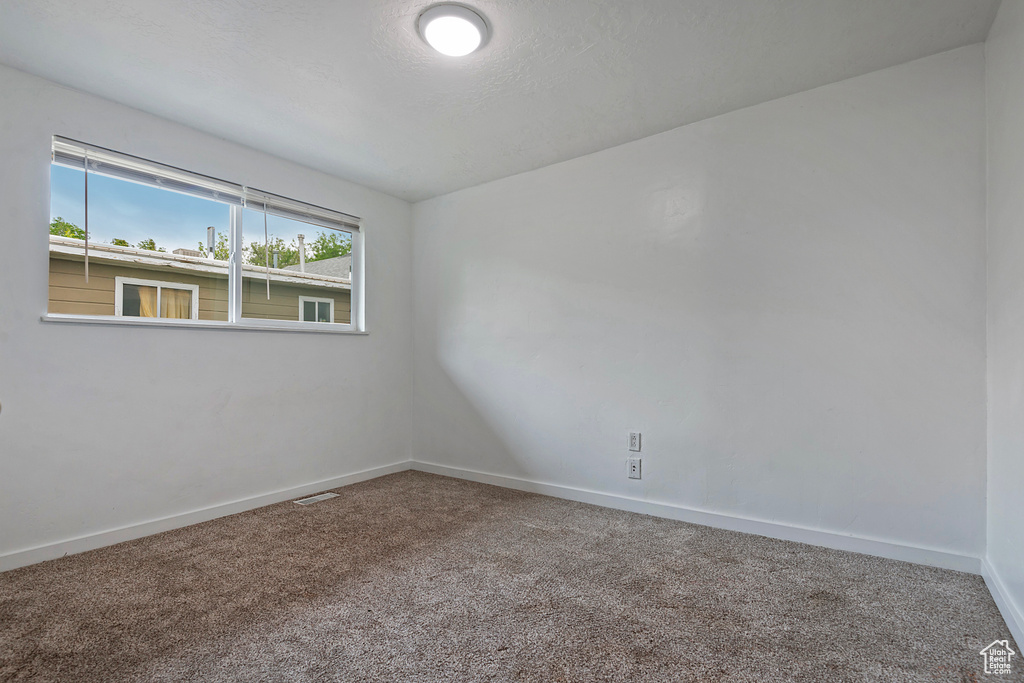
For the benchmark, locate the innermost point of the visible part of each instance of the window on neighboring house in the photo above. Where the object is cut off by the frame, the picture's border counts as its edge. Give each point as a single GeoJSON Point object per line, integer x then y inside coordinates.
{"type": "Point", "coordinates": [316, 310]}
{"type": "Point", "coordinates": [134, 238]}
{"type": "Point", "coordinates": [155, 299]}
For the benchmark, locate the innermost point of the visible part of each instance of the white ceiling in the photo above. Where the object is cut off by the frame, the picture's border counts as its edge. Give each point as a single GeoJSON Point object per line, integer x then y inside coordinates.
{"type": "Point", "coordinates": [347, 86]}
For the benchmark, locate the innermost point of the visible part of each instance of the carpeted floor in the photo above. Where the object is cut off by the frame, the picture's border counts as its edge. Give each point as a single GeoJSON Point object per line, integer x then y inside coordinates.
{"type": "Point", "coordinates": [415, 577]}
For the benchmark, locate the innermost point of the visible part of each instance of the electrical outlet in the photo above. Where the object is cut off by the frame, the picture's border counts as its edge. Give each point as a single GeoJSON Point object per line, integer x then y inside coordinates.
{"type": "Point", "coordinates": [634, 441]}
{"type": "Point", "coordinates": [634, 468]}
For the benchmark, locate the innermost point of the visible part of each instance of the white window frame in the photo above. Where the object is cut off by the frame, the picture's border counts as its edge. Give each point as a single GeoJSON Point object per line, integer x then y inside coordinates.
{"type": "Point", "coordinates": [315, 299]}
{"type": "Point", "coordinates": [104, 161]}
{"type": "Point", "coordinates": [120, 282]}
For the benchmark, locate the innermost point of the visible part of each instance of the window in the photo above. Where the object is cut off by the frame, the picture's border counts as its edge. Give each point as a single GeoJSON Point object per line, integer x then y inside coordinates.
{"type": "Point", "coordinates": [291, 261]}
{"type": "Point", "coordinates": [316, 310]}
{"type": "Point", "coordinates": [154, 299]}
{"type": "Point", "coordinates": [132, 238]}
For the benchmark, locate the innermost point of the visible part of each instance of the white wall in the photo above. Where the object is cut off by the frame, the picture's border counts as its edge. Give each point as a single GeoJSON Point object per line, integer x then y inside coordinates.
{"type": "Point", "coordinates": [788, 301]}
{"type": "Point", "coordinates": [1005, 60]}
{"type": "Point", "coordinates": [104, 427]}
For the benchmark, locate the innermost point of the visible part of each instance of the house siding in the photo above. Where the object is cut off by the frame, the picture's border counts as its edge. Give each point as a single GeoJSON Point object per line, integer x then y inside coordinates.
{"type": "Point", "coordinates": [71, 294]}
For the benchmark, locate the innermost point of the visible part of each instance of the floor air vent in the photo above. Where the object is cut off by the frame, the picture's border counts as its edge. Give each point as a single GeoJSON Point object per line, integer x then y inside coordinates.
{"type": "Point", "coordinates": [316, 499]}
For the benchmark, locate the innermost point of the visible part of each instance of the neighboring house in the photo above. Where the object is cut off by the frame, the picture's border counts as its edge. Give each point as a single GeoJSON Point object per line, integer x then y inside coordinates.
{"type": "Point", "coordinates": [339, 266]}
{"type": "Point", "coordinates": [125, 281]}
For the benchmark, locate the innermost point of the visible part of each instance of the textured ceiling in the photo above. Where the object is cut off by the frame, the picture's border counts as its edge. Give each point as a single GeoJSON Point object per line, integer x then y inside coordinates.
{"type": "Point", "coordinates": [347, 86]}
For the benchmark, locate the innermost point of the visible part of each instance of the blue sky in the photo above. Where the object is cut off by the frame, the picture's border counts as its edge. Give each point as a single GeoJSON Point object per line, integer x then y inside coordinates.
{"type": "Point", "coordinates": [134, 212]}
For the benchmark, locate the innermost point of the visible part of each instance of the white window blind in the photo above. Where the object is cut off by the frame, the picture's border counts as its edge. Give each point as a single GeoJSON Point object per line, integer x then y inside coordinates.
{"type": "Point", "coordinates": [107, 162]}
{"type": "Point", "coordinates": [276, 205]}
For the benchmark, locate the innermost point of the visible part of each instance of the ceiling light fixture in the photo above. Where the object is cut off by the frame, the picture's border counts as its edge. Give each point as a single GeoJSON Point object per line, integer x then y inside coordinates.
{"type": "Point", "coordinates": [453, 30]}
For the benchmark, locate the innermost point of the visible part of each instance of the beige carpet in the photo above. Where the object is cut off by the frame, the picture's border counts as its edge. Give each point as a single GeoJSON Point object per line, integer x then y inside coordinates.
{"type": "Point", "coordinates": [415, 577]}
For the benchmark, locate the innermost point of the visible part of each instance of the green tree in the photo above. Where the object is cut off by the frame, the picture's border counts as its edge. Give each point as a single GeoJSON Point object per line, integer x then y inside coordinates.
{"type": "Point", "coordinates": [324, 246]}
{"type": "Point", "coordinates": [330, 245]}
{"type": "Point", "coordinates": [60, 227]}
{"type": "Point", "coordinates": [149, 245]}
{"type": "Point", "coordinates": [220, 249]}
{"type": "Point", "coordinates": [118, 242]}
{"type": "Point", "coordinates": [256, 253]}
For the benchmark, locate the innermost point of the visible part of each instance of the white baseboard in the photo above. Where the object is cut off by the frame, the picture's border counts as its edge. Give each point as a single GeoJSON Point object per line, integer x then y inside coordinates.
{"type": "Point", "coordinates": [906, 553]}
{"type": "Point", "coordinates": [865, 546]}
{"type": "Point", "coordinates": [1012, 614]}
{"type": "Point", "coordinates": [51, 551]}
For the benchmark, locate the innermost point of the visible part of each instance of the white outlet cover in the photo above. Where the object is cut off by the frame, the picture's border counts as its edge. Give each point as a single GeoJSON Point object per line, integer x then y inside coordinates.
{"type": "Point", "coordinates": [634, 441]}
{"type": "Point", "coordinates": [634, 468]}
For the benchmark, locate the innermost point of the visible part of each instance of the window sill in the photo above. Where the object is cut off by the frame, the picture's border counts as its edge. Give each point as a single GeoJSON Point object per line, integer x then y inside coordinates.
{"type": "Point", "coordinates": [250, 324]}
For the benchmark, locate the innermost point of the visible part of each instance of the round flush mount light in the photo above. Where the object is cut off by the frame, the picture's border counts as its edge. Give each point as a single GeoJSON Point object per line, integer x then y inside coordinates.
{"type": "Point", "coordinates": [453, 30]}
